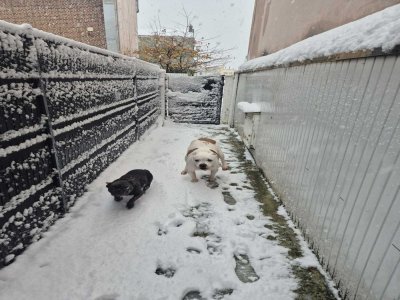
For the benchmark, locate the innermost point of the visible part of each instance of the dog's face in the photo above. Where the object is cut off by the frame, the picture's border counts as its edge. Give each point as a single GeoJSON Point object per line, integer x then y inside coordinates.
{"type": "Point", "coordinates": [204, 159]}
{"type": "Point", "coordinates": [119, 188]}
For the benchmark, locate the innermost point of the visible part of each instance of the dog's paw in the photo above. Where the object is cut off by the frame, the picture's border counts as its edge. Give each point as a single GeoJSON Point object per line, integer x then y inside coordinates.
{"type": "Point", "coordinates": [195, 180]}
{"type": "Point", "coordinates": [225, 168]}
{"type": "Point", "coordinates": [118, 198]}
{"type": "Point", "coordinates": [129, 205]}
{"type": "Point", "coordinates": [183, 172]}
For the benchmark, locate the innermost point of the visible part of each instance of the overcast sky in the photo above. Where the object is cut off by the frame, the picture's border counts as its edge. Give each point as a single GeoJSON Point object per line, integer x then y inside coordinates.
{"type": "Point", "coordinates": [229, 21]}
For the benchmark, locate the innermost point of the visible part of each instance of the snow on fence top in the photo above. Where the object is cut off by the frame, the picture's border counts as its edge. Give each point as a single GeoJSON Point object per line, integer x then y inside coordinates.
{"type": "Point", "coordinates": [184, 83]}
{"type": "Point", "coordinates": [27, 29]}
{"type": "Point", "coordinates": [66, 47]}
{"type": "Point", "coordinates": [380, 30]}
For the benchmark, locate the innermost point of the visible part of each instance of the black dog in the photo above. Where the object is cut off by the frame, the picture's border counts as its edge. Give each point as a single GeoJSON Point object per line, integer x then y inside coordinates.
{"type": "Point", "coordinates": [134, 183]}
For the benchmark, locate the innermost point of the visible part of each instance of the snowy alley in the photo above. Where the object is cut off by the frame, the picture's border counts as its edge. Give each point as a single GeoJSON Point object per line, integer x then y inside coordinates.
{"type": "Point", "coordinates": [307, 116]}
{"type": "Point", "coordinates": [182, 240]}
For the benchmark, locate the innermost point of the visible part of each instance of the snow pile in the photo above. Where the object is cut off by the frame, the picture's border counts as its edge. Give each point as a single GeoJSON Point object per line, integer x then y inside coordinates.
{"type": "Point", "coordinates": [379, 30]}
{"type": "Point", "coordinates": [247, 107]}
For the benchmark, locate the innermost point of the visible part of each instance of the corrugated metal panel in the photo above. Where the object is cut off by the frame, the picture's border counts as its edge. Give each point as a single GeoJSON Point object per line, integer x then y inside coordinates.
{"type": "Point", "coordinates": [329, 140]}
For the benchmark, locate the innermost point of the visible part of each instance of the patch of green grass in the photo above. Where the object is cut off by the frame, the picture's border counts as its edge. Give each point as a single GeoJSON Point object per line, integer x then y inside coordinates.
{"type": "Point", "coordinates": [312, 284]}
{"type": "Point", "coordinates": [286, 235]}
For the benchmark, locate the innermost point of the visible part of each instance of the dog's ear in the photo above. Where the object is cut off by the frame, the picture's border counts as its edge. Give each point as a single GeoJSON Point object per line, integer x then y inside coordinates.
{"type": "Point", "coordinates": [190, 151]}
{"type": "Point", "coordinates": [208, 140]}
{"type": "Point", "coordinates": [214, 152]}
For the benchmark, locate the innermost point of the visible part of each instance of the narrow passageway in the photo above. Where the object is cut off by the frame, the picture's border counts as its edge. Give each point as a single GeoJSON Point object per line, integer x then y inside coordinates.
{"type": "Point", "coordinates": [182, 240]}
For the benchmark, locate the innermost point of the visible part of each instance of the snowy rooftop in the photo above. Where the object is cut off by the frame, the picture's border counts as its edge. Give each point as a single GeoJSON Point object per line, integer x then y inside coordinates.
{"type": "Point", "coordinates": [377, 31]}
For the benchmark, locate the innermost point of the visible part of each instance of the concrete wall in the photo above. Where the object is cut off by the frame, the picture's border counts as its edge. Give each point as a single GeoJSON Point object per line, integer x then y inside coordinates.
{"type": "Point", "coordinates": [278, 24]}
{"type": "Point", "coordinates": [227, 99]}
{"type": "Point", "coordinates": [127, 26]}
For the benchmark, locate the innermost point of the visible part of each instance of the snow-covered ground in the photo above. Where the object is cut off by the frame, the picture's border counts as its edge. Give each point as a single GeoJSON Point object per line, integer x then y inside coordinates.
{"type": "Point", "coordinates": [181, 238]}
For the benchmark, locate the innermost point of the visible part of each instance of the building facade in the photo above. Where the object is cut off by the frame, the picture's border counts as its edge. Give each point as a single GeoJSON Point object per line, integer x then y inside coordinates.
{"type": "Point", "coordinates": [121, 25]}
{"type": "Point", "coordinates": [110, 24]}
{"type": "Point", "coordinates": [278, 24]}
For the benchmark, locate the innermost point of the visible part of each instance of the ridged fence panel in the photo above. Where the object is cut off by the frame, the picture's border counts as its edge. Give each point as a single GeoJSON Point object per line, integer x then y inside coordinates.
{"type": "Point", "coordinates": [194, 99]}
{"type": "Point", "coordinates": [67, 111]}
{"type": "Point", "coordinates": [329, 142]}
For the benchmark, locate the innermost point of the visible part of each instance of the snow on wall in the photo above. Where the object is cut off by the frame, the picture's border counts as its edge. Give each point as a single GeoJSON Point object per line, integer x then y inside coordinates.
{"type": "Point", "coordinates": [67, 110]}
{"type": "Point", "coordinates": [377, 31]}
{"type": "Point", "coordinates": [247, 107]}
{"type": "Point", "coordinates": [328, 140]}
{"type": "Point", "coordinates": [194, 99]}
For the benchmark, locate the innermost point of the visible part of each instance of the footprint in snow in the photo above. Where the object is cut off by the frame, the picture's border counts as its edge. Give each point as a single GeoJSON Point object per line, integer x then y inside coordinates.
{"type": "Point", "coordinates": [108, 297]}
{"type": "Point", "coordinates": [228, 198]}
{"type": "Point", "coordinates": [167, 272]}
{"type": "Point", "coordinates": [244, 270]}
{"type": "Point", "coordinates": [193, 295]}
{"type": "Point", "coordinates": [193, 250]}
{"type": "Point", "coordinates": [220, 294]}
{"type": "Point", "coordinates": [212, 184]}
{"type": "Point", "coordinates": [163, 229]}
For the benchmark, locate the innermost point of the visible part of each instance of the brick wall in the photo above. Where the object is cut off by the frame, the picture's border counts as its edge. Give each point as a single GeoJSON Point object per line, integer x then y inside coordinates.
{"type": "Point", "coordinates": [68, 18]}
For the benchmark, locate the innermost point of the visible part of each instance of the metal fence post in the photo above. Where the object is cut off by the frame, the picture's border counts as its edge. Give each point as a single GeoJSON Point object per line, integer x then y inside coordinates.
{"type": "Point", "coordinates": [219, 105]}
{"type": "Point", "coordinates": [54, 151]}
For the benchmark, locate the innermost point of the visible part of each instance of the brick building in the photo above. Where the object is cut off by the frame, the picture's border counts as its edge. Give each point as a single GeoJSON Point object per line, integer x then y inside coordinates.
{"type": "Point", "coordinates": [110, 24]}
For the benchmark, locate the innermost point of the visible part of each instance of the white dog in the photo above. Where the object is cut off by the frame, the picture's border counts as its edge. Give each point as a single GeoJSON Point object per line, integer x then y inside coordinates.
{"type": "Point", "coordinates": [204, 154]}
